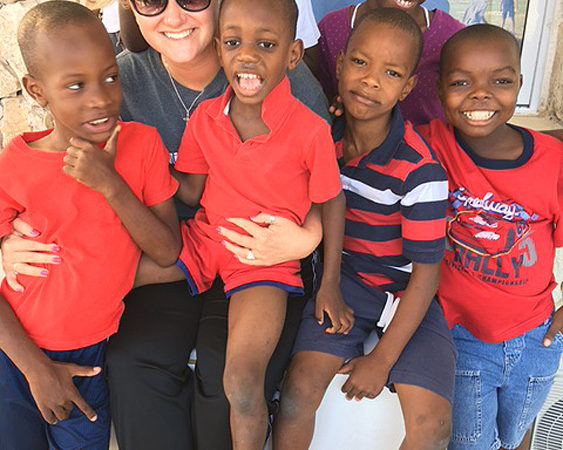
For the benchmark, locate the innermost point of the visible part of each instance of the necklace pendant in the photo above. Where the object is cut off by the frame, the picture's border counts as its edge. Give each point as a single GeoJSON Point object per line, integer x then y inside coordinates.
{"type": "Point", "coordinates": [187, 117]}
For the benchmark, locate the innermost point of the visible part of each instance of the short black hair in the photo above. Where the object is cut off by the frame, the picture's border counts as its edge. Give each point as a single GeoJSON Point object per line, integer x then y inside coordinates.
{"type": "Point", "coordinates": [48, 17]}
{"type": "Point", "coordinates": [395, 18]}
{"type": "Point", "coordinates": [291, 13]}
{"type": "Point", "coordinates": [482, 31]}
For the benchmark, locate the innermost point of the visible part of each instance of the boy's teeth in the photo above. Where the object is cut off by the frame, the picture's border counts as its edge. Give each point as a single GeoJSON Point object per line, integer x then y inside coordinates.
{"type": "Point", "coordinates": [99, 121]}
{"type": "Point", "coordinates": [249, 76]}
{"type": "Point", "coordinates": [404, 3]}
{"type": "Point", "coordinates": [249, 81]}
{"type": "Point", "coordinates": [478, 115]}
{"type": "Point", "coordinates": [180, 35]}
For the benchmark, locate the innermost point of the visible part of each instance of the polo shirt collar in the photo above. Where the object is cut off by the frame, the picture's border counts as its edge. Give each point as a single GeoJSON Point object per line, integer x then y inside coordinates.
{"type": "Point", "coordinates": [274, 106]}
{"type": "Point", "coordinates": [384, 153]}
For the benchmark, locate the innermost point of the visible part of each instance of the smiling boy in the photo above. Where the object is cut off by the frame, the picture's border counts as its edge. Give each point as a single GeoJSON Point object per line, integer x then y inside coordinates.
{"type": "Point", "coordinates": [100, 191]}
{"type": "Point", "coordinates": [256, 149]}
{"type": "Point", "coordinates": [504, 222]}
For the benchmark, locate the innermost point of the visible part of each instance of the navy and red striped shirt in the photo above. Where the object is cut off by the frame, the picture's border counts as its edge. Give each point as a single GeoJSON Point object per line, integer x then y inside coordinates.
{"type": "Point", "coordinates": [396, 199]}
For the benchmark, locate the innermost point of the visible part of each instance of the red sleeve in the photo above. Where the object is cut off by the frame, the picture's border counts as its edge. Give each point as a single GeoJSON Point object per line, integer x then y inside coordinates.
{"type": "Point", "coordinates": [9, 208]}
{"type": "Point", "coordinates": [190, 155]}
{"type": "Point", "coordinates": [158, 185]}
{"type": "Point", "coordinates": [324, 181]}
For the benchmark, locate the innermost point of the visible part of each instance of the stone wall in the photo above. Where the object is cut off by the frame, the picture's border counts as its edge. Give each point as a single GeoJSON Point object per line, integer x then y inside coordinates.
{"type": "Point", "coordinates": [555, 101]}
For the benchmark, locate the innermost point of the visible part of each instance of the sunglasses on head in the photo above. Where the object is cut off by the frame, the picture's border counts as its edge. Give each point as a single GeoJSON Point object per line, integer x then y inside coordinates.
{"type": "Point", "coordinates": [156, 7]}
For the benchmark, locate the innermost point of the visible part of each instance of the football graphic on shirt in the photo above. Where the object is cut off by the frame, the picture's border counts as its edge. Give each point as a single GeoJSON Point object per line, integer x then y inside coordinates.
{"type": "Point", "coordinates": [485, 225]}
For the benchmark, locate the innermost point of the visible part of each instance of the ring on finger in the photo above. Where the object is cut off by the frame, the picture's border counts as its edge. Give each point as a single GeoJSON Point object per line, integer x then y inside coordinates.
{"type": "Point", "coordinates": [271, 219]}
{"type": "Point", "coordinates": [250, 255]}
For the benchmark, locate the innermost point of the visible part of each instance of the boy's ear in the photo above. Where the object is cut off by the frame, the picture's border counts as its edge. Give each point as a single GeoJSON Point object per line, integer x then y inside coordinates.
{"type": "Point", "coordinates": [411, 83]}
{"type": "Point", "coordinates": [296, 51]}
{"type": "Point", "coordinates": [339, 64]}
{"type": "Point", "coordinates": [34, 89]}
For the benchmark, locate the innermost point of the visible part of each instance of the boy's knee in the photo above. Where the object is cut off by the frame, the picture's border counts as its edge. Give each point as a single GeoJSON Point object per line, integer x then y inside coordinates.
{"type": "Point", "coordinates": [429, 430]}
{"type": "Point", "coordinates": [300, 396]}
{"type": "Point", "coordinates": [244, 388]}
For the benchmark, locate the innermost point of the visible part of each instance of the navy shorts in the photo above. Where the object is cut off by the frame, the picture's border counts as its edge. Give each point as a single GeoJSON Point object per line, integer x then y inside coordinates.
{"type": "Point", "coordinates": [428, 359]}
{"type": "Point", "coordinates": [21, 423]}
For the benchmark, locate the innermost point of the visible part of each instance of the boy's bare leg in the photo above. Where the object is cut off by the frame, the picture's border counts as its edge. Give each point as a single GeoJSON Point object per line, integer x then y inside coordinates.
{"type": "Point", "coordinates": [256, 317]}
{"type": "Point", "coordinates": [307, 379]}
{"type": "Point", "coordinates": [149, 272]}
{"type": "Point", "coordinates": [427, 418]}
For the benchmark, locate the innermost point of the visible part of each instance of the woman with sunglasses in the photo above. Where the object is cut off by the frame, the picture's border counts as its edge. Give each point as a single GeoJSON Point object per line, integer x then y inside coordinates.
{"type": "Point", "coordinates": [151, 387]}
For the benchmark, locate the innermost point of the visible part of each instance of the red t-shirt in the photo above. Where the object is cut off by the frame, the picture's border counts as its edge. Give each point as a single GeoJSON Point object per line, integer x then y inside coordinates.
{"type": "Point", "coordinates": [80, 302]}
{"type": "Point", "coordinates": [278, 173]}
{"type": "Point", "coordinates": [503, 227]}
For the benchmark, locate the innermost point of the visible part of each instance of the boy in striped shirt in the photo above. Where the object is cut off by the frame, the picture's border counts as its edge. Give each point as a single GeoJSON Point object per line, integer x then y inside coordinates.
{"type": "Point", "coordinates": [396, 197]}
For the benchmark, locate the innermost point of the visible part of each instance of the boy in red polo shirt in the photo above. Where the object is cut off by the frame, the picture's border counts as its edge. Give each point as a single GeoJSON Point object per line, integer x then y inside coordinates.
{"type": "Point", "coordinates": [101, 205]}
{"type": "Point", "coordinates": [257, 149]}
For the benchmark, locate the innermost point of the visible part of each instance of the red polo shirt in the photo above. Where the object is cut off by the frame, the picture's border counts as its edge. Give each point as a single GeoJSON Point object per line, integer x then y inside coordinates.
{"type": "Point", "coordinates": [280, 173]}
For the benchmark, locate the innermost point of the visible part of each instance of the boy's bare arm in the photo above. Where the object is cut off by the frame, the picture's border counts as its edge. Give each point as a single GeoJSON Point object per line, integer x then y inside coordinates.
{"type": "Point", "coordinates": [155, 230]}
{"type": "Point", "coordinates": [50, 382]}
{"type": "Point", "coordinates": [191, 187]}
{"type": "Point", "coordinates": [369, 373]}
{"type": "Point", "coordinates": [329, 298]}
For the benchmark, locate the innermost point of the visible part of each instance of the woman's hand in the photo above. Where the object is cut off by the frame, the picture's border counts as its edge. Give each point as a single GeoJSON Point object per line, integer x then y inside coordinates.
{"type": "Point", "coordinates": [18, 253]}
{"type": "Point", "coordinates": [273, 240]}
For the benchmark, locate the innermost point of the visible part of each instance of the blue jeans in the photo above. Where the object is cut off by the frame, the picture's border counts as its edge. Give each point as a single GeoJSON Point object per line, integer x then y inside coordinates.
{"type": "Point", "coordinates": [500, 388]}
{"type": "Point", "coordinates": [21, 424]}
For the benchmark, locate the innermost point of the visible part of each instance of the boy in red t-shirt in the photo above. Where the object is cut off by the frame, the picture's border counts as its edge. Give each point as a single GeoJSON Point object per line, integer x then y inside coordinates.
{"type": "Point", "coordinates": [505, 200]}
{"type": "Point", "coordinates": [99, 190]}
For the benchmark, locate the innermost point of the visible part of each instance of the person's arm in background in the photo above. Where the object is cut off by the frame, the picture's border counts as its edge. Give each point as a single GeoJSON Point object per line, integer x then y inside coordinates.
{"type": "Point", "coordinates": [131, 36]}
{"type": "Point", "coordinates": [308, 32]}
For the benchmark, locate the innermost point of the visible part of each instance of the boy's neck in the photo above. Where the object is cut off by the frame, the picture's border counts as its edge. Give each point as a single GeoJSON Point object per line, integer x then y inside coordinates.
{"type": "Point", "coordinates": [196, 74]}
{"type": "Point", "coordinates": [362, 136]}
{"type": "Point", "coordinates": [247, 119]}
{"type": "Point", "coordinates": [52, 143]}
{"type": "Point", "coordinates": [505, 143]}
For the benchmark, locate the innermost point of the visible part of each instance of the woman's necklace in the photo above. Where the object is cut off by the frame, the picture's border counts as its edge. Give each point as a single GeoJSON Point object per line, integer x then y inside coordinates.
{"type": "Point", "coordinates": [188, 110]}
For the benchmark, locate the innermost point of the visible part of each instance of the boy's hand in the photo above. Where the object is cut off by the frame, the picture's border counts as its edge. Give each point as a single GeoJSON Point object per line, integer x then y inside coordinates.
{"type": "Point", "coordinates": [556, 325]}
{"type": "Point", "coordinates": [329, 301]}
{"type": "Point", "coordinates": [92, 166]}
{"type": "Point", "coordinates": [367, 377]}
{"type": "Point", "coordinates": [336, 107]}
{"type": "Point", "coordinates": [56, 395]}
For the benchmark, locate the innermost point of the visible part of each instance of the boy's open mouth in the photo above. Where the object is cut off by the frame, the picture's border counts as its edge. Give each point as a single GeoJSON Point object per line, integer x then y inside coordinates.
{"type": "Point", "coordinates": [101, 125]}
{"type": "Point", "coordinates": [478, 116]}
{"type": "Point", "coordinates": [249, 83]}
